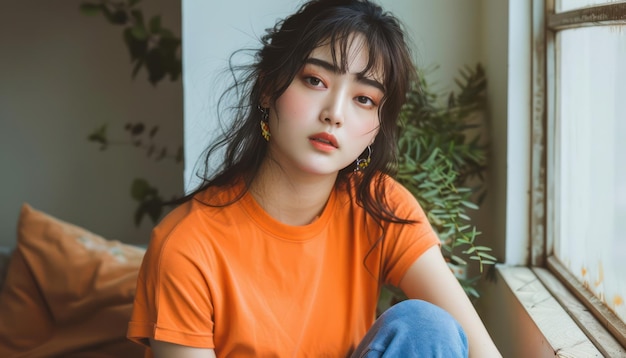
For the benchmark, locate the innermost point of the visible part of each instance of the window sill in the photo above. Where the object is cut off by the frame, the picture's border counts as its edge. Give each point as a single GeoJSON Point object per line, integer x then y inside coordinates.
{"type": "Point", "coordinates": [558, 315]}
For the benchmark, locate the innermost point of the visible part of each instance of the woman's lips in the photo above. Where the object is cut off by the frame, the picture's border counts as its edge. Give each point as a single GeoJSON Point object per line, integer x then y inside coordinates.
{"type": "Point", "coordinates": [324, 141]}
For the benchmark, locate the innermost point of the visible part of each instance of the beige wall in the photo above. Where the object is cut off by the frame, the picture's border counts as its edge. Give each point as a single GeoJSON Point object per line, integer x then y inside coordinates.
{"type": "Point", "coordinates": [62, 74]}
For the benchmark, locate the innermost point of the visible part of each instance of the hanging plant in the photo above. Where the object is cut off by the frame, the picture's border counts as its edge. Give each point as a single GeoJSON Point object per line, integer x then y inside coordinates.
{"type": "Point", "coordinates": [158, 50]}
{"type": "Point", "coordinates": [150, 202]}
{"type": "Point", "coordinates": [150, 45]}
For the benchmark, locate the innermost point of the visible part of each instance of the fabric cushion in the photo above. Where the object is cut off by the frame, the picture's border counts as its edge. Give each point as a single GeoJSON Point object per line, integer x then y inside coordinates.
{"type": "Point", "coordinates": [68, 292]}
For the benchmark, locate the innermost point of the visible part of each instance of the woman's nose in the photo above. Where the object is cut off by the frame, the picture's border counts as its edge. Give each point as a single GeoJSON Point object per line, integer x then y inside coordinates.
{"type": "Point", "coordinates": [333, 112]}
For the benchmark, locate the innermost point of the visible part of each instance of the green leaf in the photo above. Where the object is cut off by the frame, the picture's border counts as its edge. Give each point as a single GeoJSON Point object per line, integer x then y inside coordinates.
{"type": "Point", "coordinates": [137, 16]}
{"type": "Point", "coordinates": [458, 260]}
{"type": "Point", "coordinates": [483, 248]}
{"type": "Point", "coordinates": [155, 24]}
{"type": "Point", "coordinates": [469, 204]}
{"type": "Point", "coordinates": [150, 203]}
{"type": "Point", "coordinates": [137, 128]}
{"type": "Point", "coordinates": [90, 9]}
{"type": "Point", "coordinates": [117, 17]}
{"type": "Point", "coordinates": [471, 291]}
{"type": "Point", "coordinates": [99, 135]}
{"type": "Point", "coordinates": [136, 48]}
{"type": "Point", "coordinates": [140, 189]}
{"type": "Point", "coordinates": [485, 255]}
{"type": "Point", "coordinates": [470, 250]}
{"type": "Point", "coordinates": [154, 208]}
{"type": "Point", "coordinates": [154, 65]}
{"type": "Point", "coordinates": [139, 32]}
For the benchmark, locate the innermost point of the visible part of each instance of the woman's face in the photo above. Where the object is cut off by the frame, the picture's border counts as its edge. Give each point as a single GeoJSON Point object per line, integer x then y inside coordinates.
{"type": "Point", "coordinates": [325, 119]}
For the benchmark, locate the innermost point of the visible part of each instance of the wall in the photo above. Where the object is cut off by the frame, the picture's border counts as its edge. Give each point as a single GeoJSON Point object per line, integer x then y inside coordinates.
{"type": "Point", "coordinates": [506, 34]}
{"type": "Point", "coordinates": [63, 74]}
{"type": "Point", "coordinates": [511, 327]}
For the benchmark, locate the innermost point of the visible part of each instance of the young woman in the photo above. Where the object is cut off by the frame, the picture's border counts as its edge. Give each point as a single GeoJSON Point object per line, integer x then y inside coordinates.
{"type": "Point", "coordinates": [282, 251]}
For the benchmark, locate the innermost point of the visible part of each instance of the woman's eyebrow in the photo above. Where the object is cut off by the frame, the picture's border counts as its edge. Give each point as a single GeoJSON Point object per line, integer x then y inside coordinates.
{"type": "Point", "coordinates": [332, 68]}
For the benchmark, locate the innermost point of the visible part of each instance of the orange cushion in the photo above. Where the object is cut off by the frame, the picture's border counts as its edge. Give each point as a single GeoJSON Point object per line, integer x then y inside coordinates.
{"type": "Point", "coordinates": [67, 292]}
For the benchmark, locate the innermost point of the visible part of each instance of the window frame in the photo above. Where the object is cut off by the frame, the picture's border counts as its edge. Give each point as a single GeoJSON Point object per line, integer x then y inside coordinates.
{"type": "Point", "coordinates": [603, 327]}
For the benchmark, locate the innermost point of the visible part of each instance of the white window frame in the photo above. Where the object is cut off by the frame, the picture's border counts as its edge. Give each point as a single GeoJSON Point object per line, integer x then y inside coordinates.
{"type": "Point", "coordinates": [603, 327]}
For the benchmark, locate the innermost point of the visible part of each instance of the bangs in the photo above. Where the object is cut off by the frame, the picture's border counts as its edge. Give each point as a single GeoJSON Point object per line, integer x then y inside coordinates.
{"type": "Point", "coordinates": [290, 43]}
{"type": "Point", "coordinates": [342, 38]}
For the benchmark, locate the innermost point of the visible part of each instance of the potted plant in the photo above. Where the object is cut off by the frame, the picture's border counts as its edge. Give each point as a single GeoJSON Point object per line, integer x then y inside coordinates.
{"type": "Point", "coordinates": [442, 160]}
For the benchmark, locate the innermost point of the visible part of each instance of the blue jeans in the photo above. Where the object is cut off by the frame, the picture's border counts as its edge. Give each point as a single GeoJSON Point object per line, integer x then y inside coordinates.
{"type": "Point", "coordinates": [414, 328]}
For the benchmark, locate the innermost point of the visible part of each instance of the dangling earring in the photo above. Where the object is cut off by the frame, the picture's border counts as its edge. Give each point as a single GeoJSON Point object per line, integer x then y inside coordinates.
{"type": "Point", "coordinates": [362, 163]}
{"type": "Point", "coordinates": [265, 128]}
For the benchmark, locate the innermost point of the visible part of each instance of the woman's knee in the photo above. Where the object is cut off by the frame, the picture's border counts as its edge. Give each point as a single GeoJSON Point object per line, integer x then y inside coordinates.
{"type": "Point", "coordinates": [424, 317]}
{"type": "Point", "coordinates": [414, 328]}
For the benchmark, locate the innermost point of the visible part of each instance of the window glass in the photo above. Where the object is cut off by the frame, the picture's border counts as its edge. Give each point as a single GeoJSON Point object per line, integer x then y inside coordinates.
{"type": "Point", "coordinates": [590, 155]}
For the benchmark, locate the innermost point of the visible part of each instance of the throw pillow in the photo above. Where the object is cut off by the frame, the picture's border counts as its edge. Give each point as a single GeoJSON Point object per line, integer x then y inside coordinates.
{"type": "Point", "coordinates": [67, 291]}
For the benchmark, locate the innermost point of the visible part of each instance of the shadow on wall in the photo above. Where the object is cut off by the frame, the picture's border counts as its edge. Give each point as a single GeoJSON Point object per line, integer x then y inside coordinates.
{"type": "Point", "coordinates": [65, 74]}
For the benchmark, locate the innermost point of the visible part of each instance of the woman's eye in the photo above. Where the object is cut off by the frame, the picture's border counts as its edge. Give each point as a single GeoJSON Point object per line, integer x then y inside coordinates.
{"type": "Point", "coordinates": [314, 81]}
{"type": "Point", "coordinates": [365, 100]}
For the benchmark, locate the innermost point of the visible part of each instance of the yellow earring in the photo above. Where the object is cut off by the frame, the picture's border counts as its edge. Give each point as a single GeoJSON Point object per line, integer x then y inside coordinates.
{"type": "Point", "coordinates": [362, 163]}
{"type": "Point", "coordinates": [265, 128]}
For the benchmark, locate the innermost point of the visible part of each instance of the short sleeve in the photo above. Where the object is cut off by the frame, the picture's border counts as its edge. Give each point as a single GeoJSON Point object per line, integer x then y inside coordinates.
{"type": "Point", "coordinates": [403, 244]}
{"type": "Point", "coordinates": [173, 302]}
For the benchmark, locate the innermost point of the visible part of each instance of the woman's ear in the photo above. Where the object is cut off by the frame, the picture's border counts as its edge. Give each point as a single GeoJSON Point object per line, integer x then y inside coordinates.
{"type": "Point", "coordinates": [265, 101]}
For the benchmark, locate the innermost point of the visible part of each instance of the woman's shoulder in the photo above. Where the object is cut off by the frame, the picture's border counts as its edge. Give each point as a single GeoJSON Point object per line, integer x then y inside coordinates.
{"type": "Point", "coordinates": [399, 198]}
{"type": "Point", "coordinates": [201, 210]}
{"type": "Point", "coordinates": [393, 186]}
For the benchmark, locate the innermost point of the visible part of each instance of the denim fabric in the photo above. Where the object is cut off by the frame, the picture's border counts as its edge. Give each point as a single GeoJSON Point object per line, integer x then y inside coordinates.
{"type": "Point", "coordinates": [414, 328]}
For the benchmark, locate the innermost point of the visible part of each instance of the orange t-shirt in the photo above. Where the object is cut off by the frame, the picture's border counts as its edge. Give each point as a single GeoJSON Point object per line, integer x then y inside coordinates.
{"type": "Point", "coordinates": [234, 279]}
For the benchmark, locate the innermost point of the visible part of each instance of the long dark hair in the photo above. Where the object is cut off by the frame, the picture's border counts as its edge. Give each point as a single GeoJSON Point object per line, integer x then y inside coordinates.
{"type": "Point", "coordinates": [285, 48]}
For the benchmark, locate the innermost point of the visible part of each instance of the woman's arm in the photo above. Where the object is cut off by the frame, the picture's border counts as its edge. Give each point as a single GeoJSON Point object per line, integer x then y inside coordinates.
{"type": "Point", "coordinates": [162, 349]}
{"type": "Point", "coordinates": [429, 278]}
